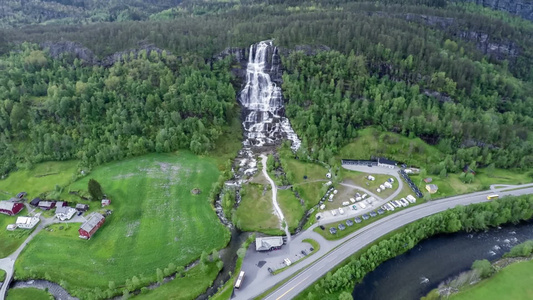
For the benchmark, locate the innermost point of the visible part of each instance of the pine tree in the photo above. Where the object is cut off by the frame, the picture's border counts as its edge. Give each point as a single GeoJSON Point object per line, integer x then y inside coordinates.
{"type": "Point", "coordinates": [95, 190]}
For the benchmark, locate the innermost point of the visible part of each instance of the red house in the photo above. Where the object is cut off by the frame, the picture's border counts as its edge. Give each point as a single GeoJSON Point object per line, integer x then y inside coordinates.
{"type": "Point", "coordinates": [10, 208]}
{"type": "Point", "coordinates": [94, 221]}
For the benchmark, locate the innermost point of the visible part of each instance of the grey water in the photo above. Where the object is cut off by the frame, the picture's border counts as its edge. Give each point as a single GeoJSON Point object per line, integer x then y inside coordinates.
{"type": "Point", "coordinates": [415, 273]}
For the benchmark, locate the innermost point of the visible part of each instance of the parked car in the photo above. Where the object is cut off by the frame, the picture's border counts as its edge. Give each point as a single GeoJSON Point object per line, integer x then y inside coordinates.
{"type": "Point", "coordinates": [373, 214]}
{"type": "Point", "coordinates": [365, 217]}
{"type": "Point", "coordinates": [381, 211]}
{"type": "Point", "coordinates": [341, 211]}
{"type": "Point", "coordinates": [349, 222]}
{"type": "Point", "coordinates": [322, 227]}
{"type": "Point", "coordinates": [357, 220]}
{"type": "Point", "coordinates": [270, 270]}
{"type": "Point", "coordinates": [303, 253]}
{"type": "Point", "coordinates": [341, 227]}
{"type": "Point", "coordinates": [333, 230]}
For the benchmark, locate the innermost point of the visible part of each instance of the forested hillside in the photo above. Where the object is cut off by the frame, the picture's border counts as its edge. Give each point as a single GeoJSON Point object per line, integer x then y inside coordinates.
{"type": "Point", "coordinates": [59, 110]}
{"type": "Point", "coordinates": [16, 13]}
{"type": "Point", "coordinates": [456, 74]}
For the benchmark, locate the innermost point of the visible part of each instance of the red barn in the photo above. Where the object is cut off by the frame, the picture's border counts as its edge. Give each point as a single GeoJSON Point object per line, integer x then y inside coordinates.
{"type": "Point", "coordinates": [87, 229]}
{"type": "Point", "coordinates": [10, 208]}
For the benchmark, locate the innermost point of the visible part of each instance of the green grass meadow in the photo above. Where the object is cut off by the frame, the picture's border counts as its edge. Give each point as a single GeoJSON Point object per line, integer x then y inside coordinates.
{"type": "Point", "coordinates": [27, 294]}
{"type": "Point", "coordinates": [194, 283]}
{"type": "Point", "coordinates": [372, 142]}
{"type": "Point", "coordinates": [291, 207]}
{"type": "Point", "coordinates": [155, 221]}
{"type": "Point", "coordinates": [256, 212]}
{"type": "Point", "coordinates": [512, 282]}
{"type": "Point", "coordinates": [11, 240]}
{"type": "Point", "coordinates": [41, 178]}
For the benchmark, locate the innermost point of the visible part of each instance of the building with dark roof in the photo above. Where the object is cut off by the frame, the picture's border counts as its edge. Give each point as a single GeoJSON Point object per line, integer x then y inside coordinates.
{"type": "Point", "coordinates": [47, 205]}
{"type": "Point", "coordinates": [383, 162]}
{"type": "Point", "coordinates": [87, 229]}
{"type": "Point", "coordinates": [82, 207]}
{"type": "Point", "coordinates": [35, 202]}
{"type": "Point", "coordinates": [10, 208]}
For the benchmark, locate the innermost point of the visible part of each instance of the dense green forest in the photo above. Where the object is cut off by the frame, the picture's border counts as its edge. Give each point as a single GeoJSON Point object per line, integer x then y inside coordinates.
{"type": "Point", "coordinates": [59, 110]}
{"type": "Point", "coordinates": [15, 13]}
{"type": "Point", "coordinates": [455, 74]}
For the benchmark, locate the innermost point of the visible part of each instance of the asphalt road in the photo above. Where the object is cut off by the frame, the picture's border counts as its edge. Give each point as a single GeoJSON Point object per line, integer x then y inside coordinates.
{"type": "Point", "coordinates": [372, 232]}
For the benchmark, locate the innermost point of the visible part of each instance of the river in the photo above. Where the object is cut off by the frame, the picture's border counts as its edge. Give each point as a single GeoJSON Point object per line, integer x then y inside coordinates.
{"type": "Point", "coordinates": [418, 271]}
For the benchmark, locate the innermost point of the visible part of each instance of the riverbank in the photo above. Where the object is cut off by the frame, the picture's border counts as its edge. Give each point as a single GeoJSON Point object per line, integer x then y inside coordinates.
{"type": "Point", "coordinates": [505, 279]}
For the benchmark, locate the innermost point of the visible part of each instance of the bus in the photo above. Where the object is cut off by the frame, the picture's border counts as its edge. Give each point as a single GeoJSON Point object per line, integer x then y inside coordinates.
{"type": "Point", "coordinates": [239, 280]}
{"type": "Point", "coordinates": [493, 196]}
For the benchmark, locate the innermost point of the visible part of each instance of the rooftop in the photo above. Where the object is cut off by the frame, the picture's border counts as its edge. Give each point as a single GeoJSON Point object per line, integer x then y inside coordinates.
{"type": "Point", "coordinates": [92, 221]}
{"type": "Point", "coordinates": [266, 243]}
{"type": "Point", "coordinates": [383, 160]}
{"type": "Point", "coordinates": [8, 205]}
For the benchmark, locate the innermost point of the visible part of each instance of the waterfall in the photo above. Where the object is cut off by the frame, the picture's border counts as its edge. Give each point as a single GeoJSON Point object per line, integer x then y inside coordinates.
{"type": "Point", "coordinates": [262, 100]}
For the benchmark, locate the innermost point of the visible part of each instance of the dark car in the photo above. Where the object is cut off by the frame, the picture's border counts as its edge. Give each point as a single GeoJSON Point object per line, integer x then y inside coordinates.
{"type": "Point", "coordinates": [303, 253]}
{"type": "Point", "coordinates": [341, 227]}
{"type": "Point", "coordinates": [270, 270]}
{"type": "Point", "coordinates": [365, 217]}
{"type": "Point", "coordinates": [373, 214]}
{"type": "Point", "coordinates": [333, 230]}
{"type": "Point", "coordinates": [322, 227]}
{"type": "Point", "coordinates": [349, 222]}
{"type": "Point", "coordinates": [357, 220]}
{"type": "Point", "coordinates": [381, 211]}
{"type": "Point", "coordinates": [80, 213]}
{"type": "Point", "coordinates": [318, 217]}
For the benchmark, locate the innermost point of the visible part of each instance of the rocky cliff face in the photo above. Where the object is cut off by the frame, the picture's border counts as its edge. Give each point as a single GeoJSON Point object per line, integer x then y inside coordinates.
{"type": "Point", "coordinates": [57, 49]}
{"type": "Point", "coordinates": [522, 8]}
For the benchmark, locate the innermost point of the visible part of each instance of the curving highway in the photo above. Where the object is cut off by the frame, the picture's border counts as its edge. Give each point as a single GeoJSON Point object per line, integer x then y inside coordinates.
{"type": "Point", "coordinates": [361, 238]}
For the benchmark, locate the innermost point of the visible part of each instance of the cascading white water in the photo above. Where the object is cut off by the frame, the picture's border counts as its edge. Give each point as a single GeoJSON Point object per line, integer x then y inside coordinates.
{"type": "Point", "coordinates": [262, 100]}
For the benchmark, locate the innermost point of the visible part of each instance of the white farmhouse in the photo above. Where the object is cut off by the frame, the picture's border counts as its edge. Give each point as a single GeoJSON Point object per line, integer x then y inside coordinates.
{"type": "Point", "coordinates": [65, 213]}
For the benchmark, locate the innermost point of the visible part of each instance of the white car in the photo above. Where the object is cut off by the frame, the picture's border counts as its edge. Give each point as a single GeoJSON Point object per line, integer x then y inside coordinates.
{"type": "Point", "coordinates": [352, 200]}
{"type": "Point", "coordinates": [363, 206]}
{"type": "Point", "coordinates": [345, 203]}
{"type": "Point", "coordinates": [334, 212]}
{"type": "Point", "coordinates": [341, 211]}
{"type": "Point", "coordinates": [364, 196]}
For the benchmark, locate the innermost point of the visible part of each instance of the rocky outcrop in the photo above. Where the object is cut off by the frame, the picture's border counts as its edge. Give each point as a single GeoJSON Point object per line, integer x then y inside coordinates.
{"type": "Point", "coordinates": [77, 50]}
{"type": "Point", "coordinates": [522, 8]}
{"type": "Point", "coordinates": [499, 50]}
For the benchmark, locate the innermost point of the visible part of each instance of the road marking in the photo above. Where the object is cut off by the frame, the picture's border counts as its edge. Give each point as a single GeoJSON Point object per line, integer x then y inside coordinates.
{"type": "Point", "coordinates": [292, 288]}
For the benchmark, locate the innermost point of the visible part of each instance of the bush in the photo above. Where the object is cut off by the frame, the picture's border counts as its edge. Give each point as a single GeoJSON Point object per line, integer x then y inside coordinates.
{"type": "Point", "coordinates": [484, 267]}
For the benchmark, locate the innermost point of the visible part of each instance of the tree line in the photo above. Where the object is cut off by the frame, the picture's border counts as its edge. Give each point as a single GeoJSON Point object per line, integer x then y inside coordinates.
{"type": "Point", "coordinates": [60, 109]}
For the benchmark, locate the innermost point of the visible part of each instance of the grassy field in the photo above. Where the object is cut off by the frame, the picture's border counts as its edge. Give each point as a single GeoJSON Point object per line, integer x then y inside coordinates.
{"type": "Point", "coordinates": [2, 275]}
{"type": "Point", "coordinates": [512, 282]}
{"type": "Point", "coordinates": [307, 178]}
{"type": "Point", "coordinates": [156, 221]}
{"type": "Point", "coordinates": [256, 212]}
{"type": "Point", "coordinates": [194, 283]}
{"type": "Point", "coordinates": [28, 293]}
{"type": "Point", "coordinates": [42, 178]}
{"type": "Point", "coordinates": [291, 207]}
{"type": "Point", "coordinates": [372, 142]}
{"type": "Point", "coordinates": [11, 240]}
{"type": "Point", "coordinates": [359, 179]}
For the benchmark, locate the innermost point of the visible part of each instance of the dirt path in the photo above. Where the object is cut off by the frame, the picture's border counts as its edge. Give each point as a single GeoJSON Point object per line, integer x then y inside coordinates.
{"type": "Point", "coordinates": [274, 199]}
